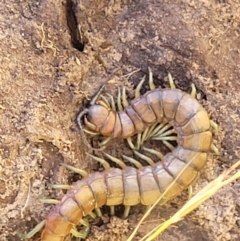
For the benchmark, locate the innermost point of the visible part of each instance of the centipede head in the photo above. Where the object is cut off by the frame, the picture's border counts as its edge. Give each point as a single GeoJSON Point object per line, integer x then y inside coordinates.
{"type": "Point", "coordinates": [96, 117]}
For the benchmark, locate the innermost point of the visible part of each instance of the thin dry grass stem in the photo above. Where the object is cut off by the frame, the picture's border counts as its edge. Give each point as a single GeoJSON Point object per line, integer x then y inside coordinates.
{"type": "Point", "coordinates": [208, 191]}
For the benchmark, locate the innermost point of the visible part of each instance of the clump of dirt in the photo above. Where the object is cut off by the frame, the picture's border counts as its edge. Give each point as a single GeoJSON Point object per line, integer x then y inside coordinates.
{"type": "Point", "coordinates": [55, 55]}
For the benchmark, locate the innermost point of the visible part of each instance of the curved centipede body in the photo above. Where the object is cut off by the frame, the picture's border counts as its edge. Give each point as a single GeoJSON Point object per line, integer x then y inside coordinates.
{"type": "Point", "coordinates": [130, 186]}
{"type": "Point", "coordinates": [189, 119]}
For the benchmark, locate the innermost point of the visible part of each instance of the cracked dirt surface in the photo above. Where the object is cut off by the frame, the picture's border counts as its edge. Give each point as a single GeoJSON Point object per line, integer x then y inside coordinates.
{"type": "Point", "coordinates": [56, 54]}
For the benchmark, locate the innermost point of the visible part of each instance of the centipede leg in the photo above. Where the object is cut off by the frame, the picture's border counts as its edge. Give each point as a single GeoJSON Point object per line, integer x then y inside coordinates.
{"type": "Point", "coordinates": [215, 149]}
{"type": "Point", "coordinates": [35, 230]}
{"type": "Point", "coordinates": [49, 200]}
{"type": "Point", "coordinates": [137, 90]}
{"type": "Point", "coordinates": [126, 211]}
{"type": "Point", "coordinates": [105, 141]}
{"type": "Point", "coordinates": [104, 99]}
{"type": "Point", "coordinates": [193, 91]}
{"type": "Point", "coordinates": [124, 97]}
{"type": "Point", "coordinates": [145, 158]}
{"type": "Point", "coordinates": [214, 125]}
{"type": "Point", "coordinates": [151, 84]}
{"type": "Point", "coordinates": [112, 102]}
{"type": "Point", "coordinates": [100, 160]}
{"type": "Point", "coordinates": [156, 153]}
{"type": "Point", "coordinates": [82, 234]}
{"type": "Point", "coordinates": [119, 162]}
{"type": "Point", "coordinates": [119, 102]}
{"type": "Point", "coordinates": [138, 142]}
{"type": "Point", "coordinates": [133, 161]}
{"type": "Point", "coordinates": [171, 82]}
{"type": "Point", "coordinates": [79, 171]}
{"type": "Point", "coordinates": [60, 186]}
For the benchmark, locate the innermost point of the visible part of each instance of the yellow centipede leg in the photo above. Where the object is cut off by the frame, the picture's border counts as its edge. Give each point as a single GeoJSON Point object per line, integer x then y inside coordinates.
{"type": "Point", "coordinates": [112, 210]}
{"type": "Point", "coordinates": [112, 102]}
{"type": "Point", "coordinates": [100, 160]}
{"type": "Point", "coordinates": [35, 230]}
{"type": "Point", "coordinates": [119, 103]}
{"type": "Point", "coordinates": [82, 235]}
{"type": "Point", "coordinates": [126, 211]}
{"type": "Point", "coordinates": [124, 97]}
{"type": "Point", "coordinates": [156, 153]}
{"type": "Point", "coordinates": [214, 125]}
{"type": "Point", "coordinates": [116, 160]}
{"type": "Point", "coordinates": [133, 161]}
{"type": "Point", "coordinates": [104, 99]}
{"type": "Point", "coordinates": [145, 158]}
{"type": "Point", "coordinates": [137, 90]}
{"type": "Point", "coordinates": [215, 149]}
{"type": "Point", "coordinates": [49, 200]}
{"type": "Point", "coordinates": [193, 91]}
{"type": "Point", "coordinates": [151, 84]}
{"type": "Point", "coordinates": [60, 186]}
{"type": "Point", "coordinates": [105, 141]}
{"type": "Point", "coordinates": [81, 172]}
{"type": "Point", "coordinates": [171, 82]}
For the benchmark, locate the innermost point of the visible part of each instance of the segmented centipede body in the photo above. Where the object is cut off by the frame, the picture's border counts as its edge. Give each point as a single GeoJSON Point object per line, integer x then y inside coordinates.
{"type": "Point", "coordinates": [189, 119]}
{"type": "Point", "coordinates": [130, 186]}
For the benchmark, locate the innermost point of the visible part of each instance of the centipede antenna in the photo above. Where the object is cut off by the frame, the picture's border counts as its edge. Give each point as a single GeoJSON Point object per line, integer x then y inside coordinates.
{"type": "Point", "coordinates": [124, 97]}
{"type": "Point", "coordinates": [35, 230]}
{"type": "Point", "coordinates": [60, 186]}
{"type": "Point", "coordinates": [81, 172]}
{"type": "Point", "coordinates": [131, 73]}
{"type": "Point", "coordinates": [156, 153]}
{"type": "Point", "coordinates": [119, 103]}
{"type": "Point", "coordinates": [145, 158]}
{"type": "Point", "coordinates": [151, 84]}
{"type": "Point", "coordinates": [96, 96]}
{"type": "Point", "coordinates": [126, 211]}
{"type": "Point", "coordinates": [171, 82]}
{"type": "Point", "coordinates": [215, 149]}
{"type": "Point", "coordinates": [100, 160]}
{"type": "Point", "coordinates": [49, 201]}
{"type": "Point", "coordinates": [193, 91]}
{"type": "Point", "coordinates": [133, 161]}
{"type": "Point", "coordinates": [112, 102]}
{"type": "Point", "coordinates": [137, 90]}
{"type": "Point", "coordinates": [116, 160]}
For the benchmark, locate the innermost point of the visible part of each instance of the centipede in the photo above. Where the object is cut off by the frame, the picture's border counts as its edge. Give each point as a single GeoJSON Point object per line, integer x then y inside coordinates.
{"type": "Point", "coordinates": [145, 116]}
